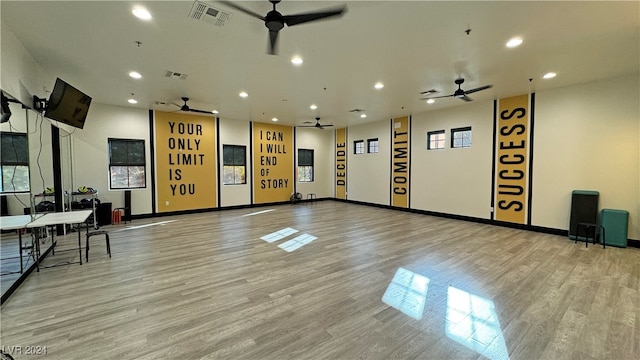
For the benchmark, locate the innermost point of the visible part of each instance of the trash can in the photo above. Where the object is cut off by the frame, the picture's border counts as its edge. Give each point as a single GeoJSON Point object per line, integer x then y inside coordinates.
{"type": "Point", "coordinates": [103, 213]}
{"type": "Point", "coordinates": [616, 225]}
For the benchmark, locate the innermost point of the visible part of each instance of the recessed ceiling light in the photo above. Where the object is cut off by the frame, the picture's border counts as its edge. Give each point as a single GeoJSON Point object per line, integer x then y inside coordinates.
{"type": "Point", "coordinates": [363, 115]}
{"type": "Point", "coordinates": [549, 75]}
{"type": "Point", "coordinates": [430, 101]}
{"type": "Point", "coordinates": [297, 60]}
{"type": "Point", "coordinates": [514, 42]}
{"type": "Point", "coordinates": [274, 119]}
{"type": "Point", "coordinates": [378, 85]}
{"type": "Point", "coordinates": [214, 112]}
{"type": "Point", "coordinates": [135, 74]}
{"type": "Point", "coordinates": [243, 94]}
{"type": "Point", "coordinates": [141, 13]}
{"type": "Point", "coordinates": [313, 107]}
{"type": "Point", "coordinates": [132, 101]}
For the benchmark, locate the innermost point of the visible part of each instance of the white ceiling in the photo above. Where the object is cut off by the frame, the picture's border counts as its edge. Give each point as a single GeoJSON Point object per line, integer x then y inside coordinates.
{"type": "Point", "coordinates": [410, 46]}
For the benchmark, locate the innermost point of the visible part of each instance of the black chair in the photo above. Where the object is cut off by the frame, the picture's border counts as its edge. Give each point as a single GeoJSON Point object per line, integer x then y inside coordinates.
{"type": "Point", "coordinates": [93, 233]}
{"type": "Point", "coordinates": [597, 230]}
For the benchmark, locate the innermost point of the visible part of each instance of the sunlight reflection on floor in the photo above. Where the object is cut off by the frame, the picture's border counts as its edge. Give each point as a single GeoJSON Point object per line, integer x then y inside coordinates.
{"type": "Point", "coordinates": [407, 293]}
{"type": "Point", "coordinates": [472, 321]}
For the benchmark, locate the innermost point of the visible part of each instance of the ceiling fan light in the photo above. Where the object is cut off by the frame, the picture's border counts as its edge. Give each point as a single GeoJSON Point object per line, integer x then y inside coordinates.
{"type": "Point", "coordinates": [313, 107]}
{"type": "Point", "coordinates": [378, 85]}
{"type": "Point", "coordinates": [514, 42]}
{"type": "Point", "coordinates": [135, 75]}
{"type": "Point", "coordinates": [549, 75]}
{"type": "Point", "coordinates": [274, 119]}
{"type": "Point", "coordinates": [430, 101]}
{"type": "Point", "coordinates": [141, 13]}
{"type": "Point", "coordinates": [243, 94]}
{"type": "Point", "coordinates": [297, 60]}
{"type": "Point", "coordinates": [363, 115]}
{"type": "Point", "coordinates": [132, 101]}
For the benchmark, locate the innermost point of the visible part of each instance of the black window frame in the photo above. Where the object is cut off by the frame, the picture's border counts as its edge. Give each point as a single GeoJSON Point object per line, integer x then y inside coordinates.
{"type": "Point", "coordinates": [306, 162]}
{"type": "Point", "coordinates": [443, 141]}
{"type": "Point", "coordinates": [358, 147]}
{"type": "Point", "coordinates": [373, 144]}
{"type": "Point", "coordinates": [454, 138]}
{"type": "Point", "coordinates": [12, 156]}
{"type": "Point", "coordinates": [236, 160]}
{"type": "Point", "coordinates": [131, 161]}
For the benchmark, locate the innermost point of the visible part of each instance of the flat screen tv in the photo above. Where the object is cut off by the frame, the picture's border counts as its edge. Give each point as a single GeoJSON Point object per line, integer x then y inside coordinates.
{"type": "Point", "coordinates": [68, 105]}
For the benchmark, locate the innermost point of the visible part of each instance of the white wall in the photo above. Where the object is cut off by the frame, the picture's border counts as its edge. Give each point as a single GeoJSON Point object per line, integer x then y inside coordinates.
{"type": "Point", "coordinates": [369, 175]}
{"type": "Point", "coordinates": [21, 76]}
{"type": "Point", "coordinates": [234, 132]}
{"type": "Point", "coordinates": [91, 152]}
{"type": "Point", "coordinates": [587, 138]}
{"type": "Point", "coordinates": [38, 130]}
{"type": "Point", "coordinates": [322, 144]}
{"type": "Point", "coordinates": [453, 181]}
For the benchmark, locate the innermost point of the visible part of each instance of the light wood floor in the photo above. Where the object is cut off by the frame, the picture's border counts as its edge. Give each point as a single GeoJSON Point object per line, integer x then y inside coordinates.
{"type": "Point", "coordinates": [206, 286]}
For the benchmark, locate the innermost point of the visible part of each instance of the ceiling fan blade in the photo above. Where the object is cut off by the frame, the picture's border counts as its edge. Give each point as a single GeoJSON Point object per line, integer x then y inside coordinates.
{"type": "Point", "coordinates": [240, 8]}
{"type": "Point", "coordinates": [437, 97]}
{"type": "Point", "coordinates": [324, 126]}
{"type": "Point", "coordinates": [273, 42]}
{"type": "Point", "coordinates": [201, 111]}
{"type": "Point", "coordinates": [465, 98]}
{"type": "Point", "coordinates": [296, 19]}
{"type": "Point", "coordinates": [478, 89]}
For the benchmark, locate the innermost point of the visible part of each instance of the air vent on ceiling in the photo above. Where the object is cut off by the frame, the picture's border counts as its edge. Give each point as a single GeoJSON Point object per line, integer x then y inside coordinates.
{"type": "Point", "coordinates": [158, 102]}
{"type": "Point", "coordinates": [175, 75]}
{"type": "Point", "coordinates": [201, 11]}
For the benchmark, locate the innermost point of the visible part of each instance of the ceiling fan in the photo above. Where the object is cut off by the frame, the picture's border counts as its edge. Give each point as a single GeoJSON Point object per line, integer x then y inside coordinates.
{"type": "Point", "coordinates": [460, 94]}
{"type": "Point", "coordinates": [186, 107]}
{"type": "Point", "coordinates": [317, 125]}
{"type": "Point", "coordinates": [274, 21]}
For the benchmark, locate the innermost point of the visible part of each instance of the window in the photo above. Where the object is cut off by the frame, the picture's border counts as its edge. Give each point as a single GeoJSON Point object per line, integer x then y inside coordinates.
{"type": "Point", "coordinates": [372, 145]}
{"type": "Point", "coordinates": [461, 137]}
{"type": "Point", "coordinates": [234, 158]}
{"type": "Point", "coordinates": [14, 159]}
{"type": "Point", "coordinates": [305, 165]}
{"type": "Point", "coordinates": [435, 140]}
{"type": "Point", "coordinates": [358, 147]}
{"type": "Point", "coordinates": [127, 164]}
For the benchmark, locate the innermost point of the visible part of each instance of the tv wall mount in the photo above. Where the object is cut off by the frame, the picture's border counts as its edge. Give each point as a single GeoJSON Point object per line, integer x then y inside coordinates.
{"type": "Point", "coordinates": [40, 104]}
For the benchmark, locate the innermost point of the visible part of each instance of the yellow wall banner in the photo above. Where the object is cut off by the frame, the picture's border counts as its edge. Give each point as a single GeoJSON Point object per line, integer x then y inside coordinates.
{"type": "Point", "coordinates": [512, 151]}
{"type": "Point", "coordinates": [272, 163]}
{"type": "Point", "coordinates": [185, 161]}
{"type": "Point", "coordinates": [400, 136]}
{"type": "Point", "coordinates": [341, 163]}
